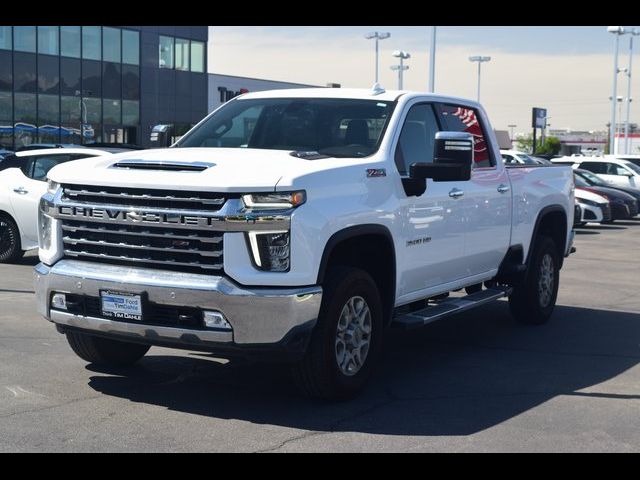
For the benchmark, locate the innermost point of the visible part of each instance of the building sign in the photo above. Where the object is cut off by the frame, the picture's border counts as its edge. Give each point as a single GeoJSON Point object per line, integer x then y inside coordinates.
{"type": "Point", "coordinates": [539, 119]}
{"type": "Point", "coordinates": [226, 94]}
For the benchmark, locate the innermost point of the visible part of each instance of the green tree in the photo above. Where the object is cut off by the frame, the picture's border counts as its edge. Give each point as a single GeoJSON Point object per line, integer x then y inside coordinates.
{"type": "Point", "coordinates": [551, 145]}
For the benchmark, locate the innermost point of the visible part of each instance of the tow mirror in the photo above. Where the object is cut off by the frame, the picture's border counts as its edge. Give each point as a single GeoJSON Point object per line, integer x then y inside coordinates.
{"type": "Point", "coordinates": [452, 159]}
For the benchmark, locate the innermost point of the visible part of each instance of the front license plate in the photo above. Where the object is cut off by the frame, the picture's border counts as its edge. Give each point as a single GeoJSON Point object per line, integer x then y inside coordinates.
{"type": "Point", "coordinates": [123, 306]}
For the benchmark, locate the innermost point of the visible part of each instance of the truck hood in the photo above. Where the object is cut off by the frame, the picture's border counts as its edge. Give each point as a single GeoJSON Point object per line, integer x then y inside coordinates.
{"type": "Point", "coordinates": [224, 169]}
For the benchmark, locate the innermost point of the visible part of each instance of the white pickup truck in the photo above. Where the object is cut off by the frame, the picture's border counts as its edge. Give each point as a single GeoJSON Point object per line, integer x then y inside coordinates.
{"type": "Point", "coordinates": [297, 225]}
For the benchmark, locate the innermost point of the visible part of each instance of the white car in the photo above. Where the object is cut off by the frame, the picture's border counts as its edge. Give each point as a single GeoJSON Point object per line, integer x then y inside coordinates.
{"type": "Point", "coordinates": [23, 181]}
{"type": "Point", "coordinates": [615, 171]}
{"type": "Point", "coordinates": [595, 208]}
{"type": "Point", "coordinates": [514, 157]}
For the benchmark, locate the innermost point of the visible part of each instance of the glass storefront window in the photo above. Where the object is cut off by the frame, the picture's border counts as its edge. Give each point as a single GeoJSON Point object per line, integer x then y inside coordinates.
{"type": "Point", "coordinates": [130, 82]}
{"type": "Point", "coordinates": [6, 42]}
{"type": "Point", "coordinates": [48, 110]}
{"type": "Point", "coordinates": [111, 111]}
{"type": "Point", "coordinates": [6, 107]}
{"type": "Point", "coordinates": [111, 44]}
{"type": "Point", "coordinates": [92, 110]}
{"type": "Point", "coordinates": [130, 47]}
{"type": "Point", "coordinates": [197, 57]}
{"type": "Point", "coordinates": [6, 71]}
{"type": "Point", "coordinates": [91, 43]}
{"type": "Point", "coordinates": [24, 39]}
{"type": "Point", "coordinates": [111, 80]}
{"type": "Point", "coordinates": [70, 41]}
{"type": "Point", "coordinates": [25, 108]}
{"type": "Point", "coordinates": [69, 76]}
{"type": "Point", "coordinates": [70, 111]}
{"type": "Point", "coordinates": [48, 40]}
{"type": "Point", "coordinates": [182, 54]}
{"type": "Point", "coordinates": [130, 112]}
{"type": "Point", "coordinates": [24, 72]}
{"type": "Point", "coordinates": [91, 78]}
{"type": "Point", "coordinates": [48, 74]}
{"type": "Point", "coordinates": [166, 52]}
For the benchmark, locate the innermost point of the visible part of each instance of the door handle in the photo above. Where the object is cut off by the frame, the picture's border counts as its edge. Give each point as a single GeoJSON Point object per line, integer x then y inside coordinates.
{"type": "Point", "coordinates": [456, 193]}
{"type": "Point", "coordinates": [502, 188]}
{"type": "Point", "coordinates": [21, 190]}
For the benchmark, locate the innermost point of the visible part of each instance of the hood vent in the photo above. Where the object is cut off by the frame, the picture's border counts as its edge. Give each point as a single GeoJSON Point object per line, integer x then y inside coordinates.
{"type": "Point", "coordinates": [172, 166]}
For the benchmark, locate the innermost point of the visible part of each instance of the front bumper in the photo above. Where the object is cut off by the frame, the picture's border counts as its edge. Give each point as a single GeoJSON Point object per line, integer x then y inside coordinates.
{"type": "Point", "coordinates": [262, 319]}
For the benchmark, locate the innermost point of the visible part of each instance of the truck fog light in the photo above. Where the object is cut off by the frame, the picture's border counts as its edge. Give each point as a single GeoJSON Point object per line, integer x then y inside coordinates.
{"type": "Point", "coordinates": [216, 320]}
{"type": "Point", "coordinates": [59, 301]}
{"type": "Point", "coordinates": [271, 250]}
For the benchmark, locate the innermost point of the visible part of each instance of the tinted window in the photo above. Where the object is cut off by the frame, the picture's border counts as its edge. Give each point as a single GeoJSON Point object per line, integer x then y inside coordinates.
{"type": "Point", "coordinates": [111, 44]}
{"type": "Point", "coordinates": [91, 43]}
{"type": "Point", "coordinates": [93, 110]}
{"type": "Point", "coordinates": [182, 54]}
{"type": "Point", "coordinates": [48, 40]}
{"type": "Point", "coordinates": [197, 56]}
{"type": "Point", "coordinates": [48, 74]}
{"type": "Point", "coordinates": [130, 47]}
{"type": "Point", "coordinates": [48, 110]}
{"type": "Point", "coordinates": [166, 52]}
{"type": "Point", "coordinates": [24, 39]}
{"type": "Point", "coordinates": [70, 110]}
{"type": "Point", "coordinates": [24, 72]}
{"type": "Point", "coordinates": [111, 111]}
{"type": "Point", "coordinates": [70, 41]}
{"type": "Point", "coordinates": [6, 107]}
{"type": "Point", "coordinates": [595, 167]}
{"type": "Point", "coordinates": [633, 166]}
{"type": "Point", "coordinates": [70, 76]}
{"type": "Point", "coordinates": [333, 127]}
{"type": "Point", "coordinates": [130, 112]}
{"type": "Point", "coordinates": [111, 80]}
{"type": "Point", "coordinates": [25, 108]}
{"type": "Point", "coordinates": [5, 38]}
{"type": "Point", "coordinates": [416, 138]}
{"type": "Point", "coordinates": [38, 167]}
{"type": "Point", "coordinates": [6, 71]}
{"type": "Point", "coordinates": [508, 158]}
{"type": "Point", "coordinates": [130, 82]}
{"type": "Point", "coordinates": [91, 78]}
{"type": "Point", "coordinates": [462, 119]}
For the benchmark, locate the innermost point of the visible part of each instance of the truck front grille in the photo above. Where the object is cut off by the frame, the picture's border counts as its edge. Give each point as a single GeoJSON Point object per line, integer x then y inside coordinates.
{"type": "Point", "coordinates": [187, 248]}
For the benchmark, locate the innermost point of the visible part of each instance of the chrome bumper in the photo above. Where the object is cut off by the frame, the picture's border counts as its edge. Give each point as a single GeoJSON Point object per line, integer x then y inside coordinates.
{"type": "Point", "coordinates": [257, 315]}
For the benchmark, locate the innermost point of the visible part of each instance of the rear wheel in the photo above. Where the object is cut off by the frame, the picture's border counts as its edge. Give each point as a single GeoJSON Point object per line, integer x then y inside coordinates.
{"type": "Point", "coordinates": [10, 246]}
{"type": "Point", "coordinates": [104, 351]}
{"type": "Point", "coordinates": [532, 300]}
{"type": "Point", "coordinates": [346, 340]}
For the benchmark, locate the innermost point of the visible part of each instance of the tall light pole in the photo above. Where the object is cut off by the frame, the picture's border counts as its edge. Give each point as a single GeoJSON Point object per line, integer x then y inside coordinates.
{"type": "Point", "coordinates": [432, 61]}
{"type": "Point", "coordinates": [617, 31]}
{"type": "Point", "coordinates": [402, 55]}
{"type": "Point", "coordinates": [512, 126]}
{"type": "Point", "coordinates": [377, 36]}
{"type": "Point", "coordinates": [632, 33]}
{"type": "Point", "coordinates": [619, 100]}
{"type": "Point", "coordinates": [480, 60]}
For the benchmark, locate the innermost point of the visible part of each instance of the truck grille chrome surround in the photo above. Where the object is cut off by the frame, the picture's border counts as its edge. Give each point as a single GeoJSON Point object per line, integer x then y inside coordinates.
{"type": "Point", "coordinates": [171, 230]}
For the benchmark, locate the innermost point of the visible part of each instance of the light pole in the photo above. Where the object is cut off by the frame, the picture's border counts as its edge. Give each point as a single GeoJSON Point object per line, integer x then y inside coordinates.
{"type": "Point", "coordinates": [402, 55]}
{"type": "Point", "coordinates": [432, 61]}
{"type": "Point", "coordinates": [617, 31]}
{"type": "Point", "coordinates": [512, 126]}
{"type": "Point", "coordinates": [632, 33]}
{"type": "Point", "coordinates": [479, 59]}
{"type": "Point", "coordinates": [619, 100]}
{"type": "Point", "coordinates": [378, 36]}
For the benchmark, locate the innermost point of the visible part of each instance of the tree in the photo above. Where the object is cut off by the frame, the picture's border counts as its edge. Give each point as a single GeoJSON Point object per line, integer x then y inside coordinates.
{"type": "Point", "coordinates": [551, 145]}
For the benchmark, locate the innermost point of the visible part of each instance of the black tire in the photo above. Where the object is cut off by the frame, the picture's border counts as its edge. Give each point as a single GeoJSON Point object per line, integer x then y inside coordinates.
{"type": "Point", "coordinates": [103, 351]}
{"type": "Point", "coordinates": [533, 299]}
{"type": "Point", "coordinates": [319, 375]}
{"type": "Point", "coordinates": [473, 288]}
{"type": "Point", "coordinates": [10, 245]}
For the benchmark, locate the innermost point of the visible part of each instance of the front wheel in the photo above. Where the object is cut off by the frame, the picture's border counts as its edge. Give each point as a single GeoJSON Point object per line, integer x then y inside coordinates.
{"type": "Point", "coordinates": [10, 246]}
{"type": "Point", "coordinates": [532, 300]}
{"type": "Point", "coordinates": [346, 340]}
{"type": "Point", "coordinates": [104, 351]}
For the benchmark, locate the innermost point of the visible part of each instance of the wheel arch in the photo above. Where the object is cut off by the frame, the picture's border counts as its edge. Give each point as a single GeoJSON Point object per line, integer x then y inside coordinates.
{"type": "Point", "coordinates": [551, 221]}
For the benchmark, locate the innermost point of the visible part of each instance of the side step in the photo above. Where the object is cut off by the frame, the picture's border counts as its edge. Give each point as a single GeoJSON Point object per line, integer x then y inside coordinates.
{"type": "Point", "coordinates": [449, 306]}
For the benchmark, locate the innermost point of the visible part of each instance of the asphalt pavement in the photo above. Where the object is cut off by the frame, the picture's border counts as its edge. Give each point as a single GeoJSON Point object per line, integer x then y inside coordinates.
{"type": "Point", "coordinates": [476, 382]}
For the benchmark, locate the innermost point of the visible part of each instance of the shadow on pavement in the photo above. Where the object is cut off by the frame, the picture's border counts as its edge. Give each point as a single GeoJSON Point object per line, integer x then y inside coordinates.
{"type": "Point", "coordinates": [28, 260]}
{"type": "Point", "coordinates": [454, 377]}
{"type": "Point", "coordinates": [581, 231]}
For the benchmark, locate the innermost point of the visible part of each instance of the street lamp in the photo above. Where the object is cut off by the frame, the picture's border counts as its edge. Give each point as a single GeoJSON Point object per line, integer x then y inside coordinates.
{"type": "Point", "coordinates": [632, 33]}
{"type": "Point", "coordinates": [402, 55]}
{"type": "Point", "coordinates": [619, 99]}
{"type": "Point", "coordinates": [617, 31]}
{"type": "Point", "coordinates": [512, 126]}
{"type": "Point", "coordinates": [432, 61]}
{"type": "Point", "coordinates": [479, 59]}
{"type": "Point", "coordinates": [378, 36]}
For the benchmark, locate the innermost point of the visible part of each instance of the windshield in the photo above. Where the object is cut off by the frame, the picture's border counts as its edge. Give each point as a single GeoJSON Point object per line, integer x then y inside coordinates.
{"type": "Point", "coordinates": [580, 182]}
{"type": "Point", "coordinates": [591, 178]}
{"type": "Point", "coordinates": [526, 159]}
{"type": "Point", "coordinates": [328, 126]}
{"type": "Point", "coordinates": [632, 166]}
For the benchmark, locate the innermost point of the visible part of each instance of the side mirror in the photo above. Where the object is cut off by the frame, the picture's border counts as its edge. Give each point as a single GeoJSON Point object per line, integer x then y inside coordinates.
{"type": "Point", "coordinates": [452, 159]}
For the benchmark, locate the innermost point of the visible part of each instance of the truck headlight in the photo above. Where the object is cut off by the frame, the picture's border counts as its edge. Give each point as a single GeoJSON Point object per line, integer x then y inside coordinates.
{"type": "Point", "coordinates": [271, 250]}
{"type": "Point", "coordinates": [49, 238]}
{"type": "Point", "coordinates": [275, 200]}
{"type": "Point", "coordinates": [44, 230]}
{"type": "Point", "coordinates": [52, 187]}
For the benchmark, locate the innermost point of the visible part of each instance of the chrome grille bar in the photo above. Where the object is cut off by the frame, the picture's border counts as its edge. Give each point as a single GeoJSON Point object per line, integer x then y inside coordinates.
{"type": "Point", "coordinates": [104, 256]}
{"type": "Point", "coordinates": [145, 233]}
{"type": "Point", "coordinates": [103, 243]}
{"type": "Point", "coordinates": [129, 196]}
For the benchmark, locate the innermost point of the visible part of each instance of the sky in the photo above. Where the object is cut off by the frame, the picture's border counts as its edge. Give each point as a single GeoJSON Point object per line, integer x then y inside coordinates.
{"type": "Point", "coordinates": [568, 70]}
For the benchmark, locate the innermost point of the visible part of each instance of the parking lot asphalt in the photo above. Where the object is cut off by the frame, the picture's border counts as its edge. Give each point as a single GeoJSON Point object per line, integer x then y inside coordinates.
{"type": "Point", "coordinates": [474, 382]}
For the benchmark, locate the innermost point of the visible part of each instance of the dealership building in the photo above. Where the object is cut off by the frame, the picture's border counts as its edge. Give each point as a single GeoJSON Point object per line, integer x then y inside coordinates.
{"type": "Point", "coordinates": [80, 84]}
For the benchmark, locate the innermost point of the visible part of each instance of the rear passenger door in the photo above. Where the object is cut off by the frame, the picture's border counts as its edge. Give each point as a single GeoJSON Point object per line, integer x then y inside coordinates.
{"type": "Point", "coordinates": [486, 204]}
{"type": "Point", "coordinates": [608, 171]}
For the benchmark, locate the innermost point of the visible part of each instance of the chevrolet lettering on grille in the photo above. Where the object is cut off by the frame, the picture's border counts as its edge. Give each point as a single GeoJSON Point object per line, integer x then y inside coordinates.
{"type": "Point", "coordinates": [135, 217]}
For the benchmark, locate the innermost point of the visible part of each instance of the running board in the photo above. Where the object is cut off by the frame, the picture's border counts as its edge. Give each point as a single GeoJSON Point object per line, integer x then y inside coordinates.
{"type": "Point", "coordinates": [449, 306]}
